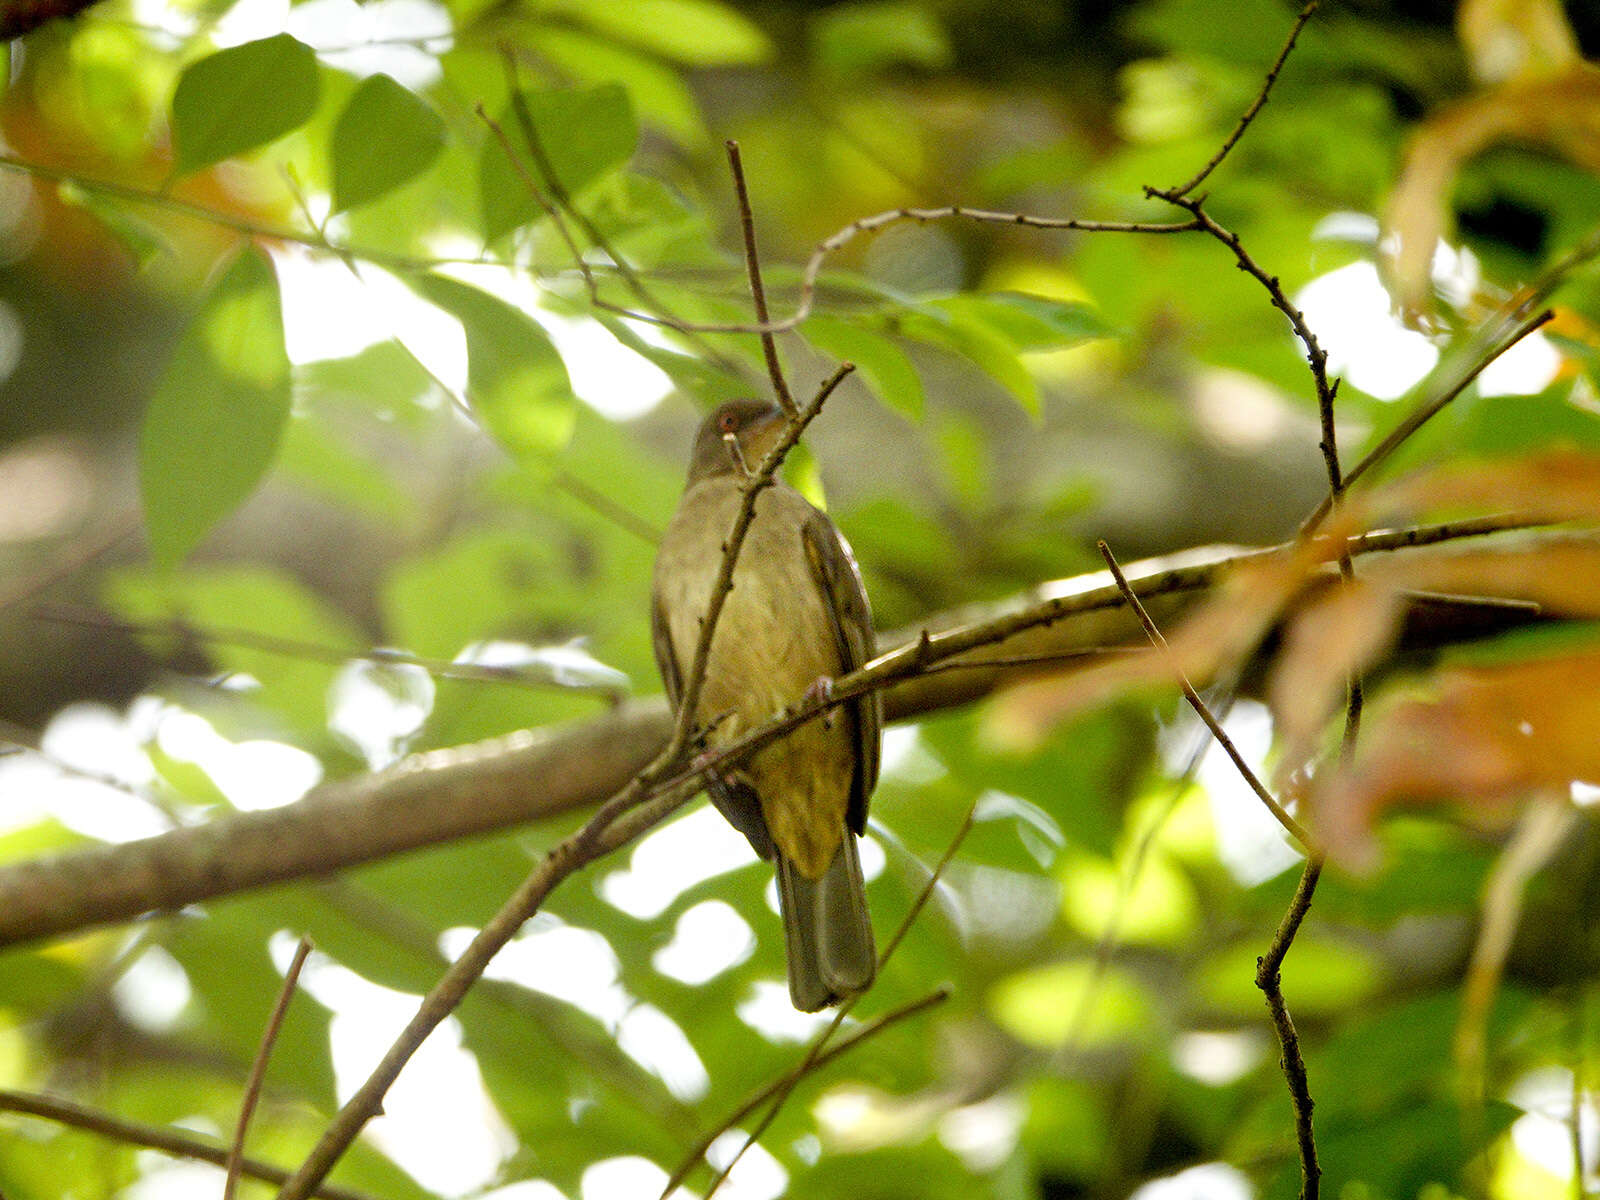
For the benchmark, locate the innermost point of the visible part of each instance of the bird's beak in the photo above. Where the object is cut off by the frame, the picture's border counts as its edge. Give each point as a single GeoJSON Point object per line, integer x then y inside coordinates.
{"type": "Point", "coordinates": [755, 442]}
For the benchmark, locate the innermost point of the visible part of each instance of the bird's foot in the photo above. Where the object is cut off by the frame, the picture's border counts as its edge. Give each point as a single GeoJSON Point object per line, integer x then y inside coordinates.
{"type": "Point", "coordinates": [820, 692]}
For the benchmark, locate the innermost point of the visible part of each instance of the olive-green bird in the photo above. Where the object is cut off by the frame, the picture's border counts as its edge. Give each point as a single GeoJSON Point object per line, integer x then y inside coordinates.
{"type": "Point", "coordinates": [797, 614]}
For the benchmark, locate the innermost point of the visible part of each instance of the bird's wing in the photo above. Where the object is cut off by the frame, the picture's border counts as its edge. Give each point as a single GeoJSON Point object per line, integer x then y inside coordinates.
{"type": "Point", "coordinates": [734, 799]}
{"type": "Point", "coordinates": [666, 656]}
{"type": "Point", "coordinates": [839, 580]}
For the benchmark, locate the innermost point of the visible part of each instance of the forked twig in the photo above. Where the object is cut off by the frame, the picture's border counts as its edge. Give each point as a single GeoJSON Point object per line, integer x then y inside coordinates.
{"type": "Point", "coordinates": [1250, 113]}
{"type": "Point", "coordinates": [646, 800]}
{"type": "Point", "coordinates": [1268, 978]}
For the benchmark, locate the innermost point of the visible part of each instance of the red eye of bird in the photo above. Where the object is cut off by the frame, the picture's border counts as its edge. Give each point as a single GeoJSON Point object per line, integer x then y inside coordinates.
{"type": "Point", "coordinates": [728, 423]}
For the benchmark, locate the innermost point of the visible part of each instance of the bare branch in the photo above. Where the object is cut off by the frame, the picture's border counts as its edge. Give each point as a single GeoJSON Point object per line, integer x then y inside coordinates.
{"type": "Point", "coordinates": [444, 795]}
{"type": "Point", "coordinates": [1202, 709]}
{"type": "Point", "coordinates": [1270, 981]}
{"type": "Point", "coordinates": [1251, 112]}
{"type": "Point", "coordinates": [758, 291]}
{"type": "Point", "coordinates": [258, 1068]}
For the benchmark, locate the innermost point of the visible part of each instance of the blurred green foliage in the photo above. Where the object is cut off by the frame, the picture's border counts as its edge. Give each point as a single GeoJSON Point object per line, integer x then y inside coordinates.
{"type": "Point", "coordinates": [1018, 391]}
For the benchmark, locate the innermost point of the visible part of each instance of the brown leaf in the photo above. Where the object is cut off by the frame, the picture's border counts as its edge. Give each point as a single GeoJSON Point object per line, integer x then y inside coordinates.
{"type": "Point", "coordinates": [1559, 112]}
{"type": "Point", "coordinates": [1339, 632]}
{"type": "Point", "coordinates": [1488, 738]}
{"type": "Point", "coordinates": [1221, 632]}
{"type": "Point", "coordinates": [1562, 578]}
{"type": "Point", "coordinates": [1507, 39]}
{"type": "Point", "coordinates": [1561, 484]}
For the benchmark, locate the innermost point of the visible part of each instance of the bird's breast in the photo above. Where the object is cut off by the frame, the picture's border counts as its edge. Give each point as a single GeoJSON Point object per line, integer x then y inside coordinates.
{"type": "Point", "coordinates": [774, 638]}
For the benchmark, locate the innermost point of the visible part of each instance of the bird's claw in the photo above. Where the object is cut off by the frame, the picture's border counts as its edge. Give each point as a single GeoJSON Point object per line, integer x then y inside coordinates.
{"type": "Point", "coordinates": [819, 693]}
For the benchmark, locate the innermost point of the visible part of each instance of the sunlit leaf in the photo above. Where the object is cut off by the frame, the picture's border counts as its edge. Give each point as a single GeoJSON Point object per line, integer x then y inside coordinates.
{"type": "Point", "coordinates": [385, 137]}
{"type": "Point", "coordinates": [516, 380]}
{"type": "Point", "coordinates": [241, 98]}
{"type": "Point", "coordinates": [661, 95]}
{"type": "Point", "coordinates": [213, 426]}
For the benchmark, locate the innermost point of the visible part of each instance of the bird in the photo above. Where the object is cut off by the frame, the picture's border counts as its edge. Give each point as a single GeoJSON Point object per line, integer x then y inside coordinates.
{"type": "Point", "coordinates": [796, 618]}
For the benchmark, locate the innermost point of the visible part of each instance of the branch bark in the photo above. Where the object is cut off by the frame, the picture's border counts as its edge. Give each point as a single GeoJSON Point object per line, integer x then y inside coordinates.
{"type": "Point", "coordinates": [468, 791]}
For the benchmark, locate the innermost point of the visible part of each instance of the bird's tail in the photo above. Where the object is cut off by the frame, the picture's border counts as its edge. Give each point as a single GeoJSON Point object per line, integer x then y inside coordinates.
{"type": "Point", "coordinates": [827, 930]}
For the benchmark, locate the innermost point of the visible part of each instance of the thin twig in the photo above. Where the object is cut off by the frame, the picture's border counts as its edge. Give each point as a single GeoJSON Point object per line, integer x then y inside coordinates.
{"type": "Point", "coordinates": [1269, 980]}
{"type": "Point", "coordinates": [640, 804]}
{"type": "Point", "coordinates": [1316, 356]}
{"type": "Point", "coordinates": [1294, 828]}
{"type": "Point", "coordinates": [153, 1137]}
{"type": "Point", "coordinates": [339, 823]}
{"type": "Point", "coordinates": [772, 1087]}
{"type": "Point", "coordinates": [758, 292]}
{"type": "Point", "coordinates": [759, 481]}
{"type": "Point", "coordinates": [1426, 411]}
{"type": "Point", "coordinates": [559, 206]}
{"type": "Point", "coordinates": [1249, 113]}
{"type": "Point", "coordinates": [258, 1068]}
{"type": "Point", "coordinates": [1267, 968]}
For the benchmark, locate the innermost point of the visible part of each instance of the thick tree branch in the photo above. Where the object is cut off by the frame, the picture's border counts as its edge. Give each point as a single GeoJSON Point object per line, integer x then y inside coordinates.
{"type": "Point", "coordinates": [467, 791]}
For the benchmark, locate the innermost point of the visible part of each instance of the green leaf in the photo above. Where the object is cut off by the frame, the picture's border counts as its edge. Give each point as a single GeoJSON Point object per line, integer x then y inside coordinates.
{"type": "Point", "coordinates": [582, 135]}
{"type": "Point", "coordinates": [385, 137]}
{"type": "Point", "coordinates": [241, 98]}
{"type": "Point", "coordinates": [1029, 322]}
{"type": "Point", "coordinates": [660, 94]}
{"type": "Point", "coordinates": [217, 416]}
{"type": "Point", "coordinates": [516, 380]}
{"type": "Point", "coordinates": [884, 365]}
{"type": "Point", "coordinates": [976, 340]}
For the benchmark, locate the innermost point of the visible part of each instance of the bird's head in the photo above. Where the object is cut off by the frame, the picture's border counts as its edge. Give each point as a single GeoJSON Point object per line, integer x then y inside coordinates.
{"type": "Point", "coordinates": [735, 437]}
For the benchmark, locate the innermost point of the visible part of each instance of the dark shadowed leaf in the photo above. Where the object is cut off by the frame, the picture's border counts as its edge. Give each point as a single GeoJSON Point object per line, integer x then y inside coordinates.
{"type": "Point", "coordinates": [385, 137]}
{"type": "Point", "coordinates": [241, 98]}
